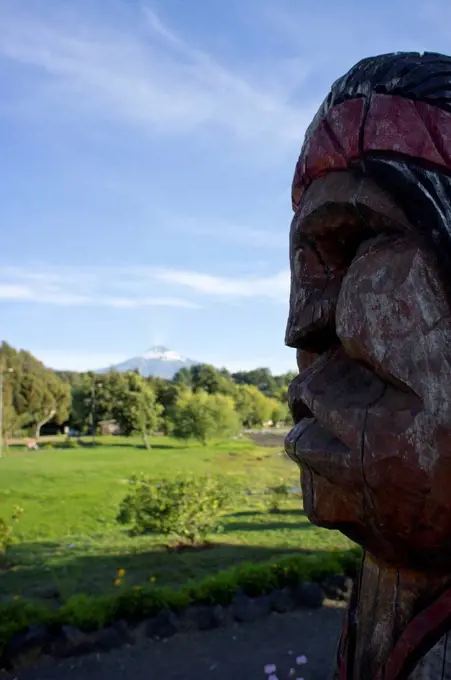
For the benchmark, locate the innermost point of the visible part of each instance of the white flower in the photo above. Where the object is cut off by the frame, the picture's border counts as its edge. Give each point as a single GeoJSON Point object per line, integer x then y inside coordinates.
{"type": "Point", "coordinates": [269, 669]}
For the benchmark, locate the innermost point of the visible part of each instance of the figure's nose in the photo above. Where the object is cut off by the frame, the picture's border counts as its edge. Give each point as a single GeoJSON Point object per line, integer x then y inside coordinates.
{"type": "Point", "coordinates": [311, 319]}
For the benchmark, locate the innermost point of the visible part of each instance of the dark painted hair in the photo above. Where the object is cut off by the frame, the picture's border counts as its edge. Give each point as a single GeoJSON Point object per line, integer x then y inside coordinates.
{"type": "Point", "coordinates": [422, 191]}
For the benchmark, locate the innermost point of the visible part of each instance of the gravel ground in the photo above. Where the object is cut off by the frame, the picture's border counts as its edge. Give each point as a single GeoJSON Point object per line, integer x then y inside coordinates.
{"type": "Point", "coordinates": [231, 653]}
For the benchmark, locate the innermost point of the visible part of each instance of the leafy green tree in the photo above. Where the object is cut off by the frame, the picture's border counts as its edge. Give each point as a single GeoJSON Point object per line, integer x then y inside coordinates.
{"type": "Point", "coordinates": [261, 378]}
{"type": "Point", "coordinates": [183, 378]}
{"type": "Point", "coordinates": [206, 378]}
{"type": "Point", "coordinates": [127, 398]}
{"type": "Point", "coordinates": [135, 407]}
{"type": "Point", "coordinates": [202, 416]}
{"type": "Point", "coordinates": [166, 393]}
{"type": "Point", "coordinates": [33, 394]}
{"type": "Point", "coordinates": [279, 412]}
{"type": "Point", "coordinates": [252, 406]}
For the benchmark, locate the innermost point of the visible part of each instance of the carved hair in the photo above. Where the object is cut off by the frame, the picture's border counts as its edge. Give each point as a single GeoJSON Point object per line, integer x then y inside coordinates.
{"type": "Point", "coordinates": [419, 179]}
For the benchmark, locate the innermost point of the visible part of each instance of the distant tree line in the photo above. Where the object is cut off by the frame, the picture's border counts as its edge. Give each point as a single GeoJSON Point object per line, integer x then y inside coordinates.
{"type": "Point", "coordinates": [200, 401]}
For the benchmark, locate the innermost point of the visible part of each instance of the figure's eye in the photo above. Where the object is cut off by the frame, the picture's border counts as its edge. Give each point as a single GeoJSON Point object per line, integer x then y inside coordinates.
{"type": "Point", "coordinates": [307, 262]}
{"type": "Point", "coordinates": [338, 247]}
{"type": "Point", "coordinates": [299, 261]}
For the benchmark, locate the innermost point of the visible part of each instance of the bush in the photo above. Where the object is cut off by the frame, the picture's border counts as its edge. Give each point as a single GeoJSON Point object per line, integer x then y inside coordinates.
{"type": "Point", "coordinates": [185, 509]}
{"type": "Point", "coordinates": [6, 532]}
{"type": "Point", "coordinates": [277, 494]}
{"type": "Point", "coordinates": [134, 604]}
{"type": "Point", "coordinates": [66, 444]}
{"type": "Point", "coordinates": [5, 537]}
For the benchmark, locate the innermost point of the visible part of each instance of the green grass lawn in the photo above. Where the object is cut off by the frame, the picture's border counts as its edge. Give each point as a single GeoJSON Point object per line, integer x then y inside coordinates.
{"type": "Point", "coordinates": [67, 540]}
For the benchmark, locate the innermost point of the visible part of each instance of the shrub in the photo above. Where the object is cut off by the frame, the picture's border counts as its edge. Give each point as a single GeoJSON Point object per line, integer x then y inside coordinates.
{"type": "Point", "coordinates": [277, 494]}
{"type": "Point", "coordinates": [6, 532]}
{"type": "Point", "coordinates": [66, 444]}
{"type": "Point", "coordinates": [185, 509]}
{"type": "Point", "coordinates": [5, 537]}
{"type": "Point", "coordinates": [134, 604]}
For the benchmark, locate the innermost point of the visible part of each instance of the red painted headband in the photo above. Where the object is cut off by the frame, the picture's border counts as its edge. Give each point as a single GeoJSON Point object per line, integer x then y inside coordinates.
{"type": "Point", "coordinates": [392, 123]}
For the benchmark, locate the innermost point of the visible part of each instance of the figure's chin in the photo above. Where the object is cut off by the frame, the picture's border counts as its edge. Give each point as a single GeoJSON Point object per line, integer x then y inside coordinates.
{"type": "Point", "coordinates": [328, 506]}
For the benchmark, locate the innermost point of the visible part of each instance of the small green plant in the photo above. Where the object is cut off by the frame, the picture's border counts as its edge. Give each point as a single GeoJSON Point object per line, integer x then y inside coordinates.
{"type": "Point", "coordinates": [276, 496]}
{"type": "Point", "coordinates": [6, 532]}
{"type": "Point", "coordinates": [5, 538]}
{"type": "Point", "coordinates": [66, 444]}
{"type": "Point", "coordinates": [186, 509]}
{"type": "Point", "coordinates": [139, 602]}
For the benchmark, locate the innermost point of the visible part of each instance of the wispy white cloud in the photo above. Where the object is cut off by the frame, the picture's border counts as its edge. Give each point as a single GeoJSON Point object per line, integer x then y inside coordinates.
{"type": "Point", "coordinates": [128, 287]}
{"type": "Point", "coordinates": [274, 287]}
{"type": "Point", "coordinates": [158, 80]}
{"type": "Point", "coordinates": [59, 287]}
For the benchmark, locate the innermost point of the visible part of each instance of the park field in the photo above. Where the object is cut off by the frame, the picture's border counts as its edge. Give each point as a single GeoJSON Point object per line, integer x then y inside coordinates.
{"type": "Point", "coordinates": [67, 540]}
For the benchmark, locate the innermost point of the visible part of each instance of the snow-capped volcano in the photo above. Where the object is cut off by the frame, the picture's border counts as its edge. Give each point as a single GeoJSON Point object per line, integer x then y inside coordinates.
{"type": "Point", "coordinates": [158, 361]}
{"type": "Point", "coordinates": [163, 354]}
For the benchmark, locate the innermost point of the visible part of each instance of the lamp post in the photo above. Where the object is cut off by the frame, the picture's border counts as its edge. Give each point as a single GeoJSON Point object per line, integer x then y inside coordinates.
{"type": "Point", "coordinates": [3, 370]}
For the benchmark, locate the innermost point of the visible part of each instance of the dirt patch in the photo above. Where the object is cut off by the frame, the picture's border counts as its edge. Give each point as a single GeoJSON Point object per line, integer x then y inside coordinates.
{"type": "Point", "coordinates": [276, 438]}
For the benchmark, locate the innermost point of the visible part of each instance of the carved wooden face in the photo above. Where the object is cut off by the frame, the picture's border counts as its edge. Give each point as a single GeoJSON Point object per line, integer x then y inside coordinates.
{"type": "Point", "coordinates": [372, 403]}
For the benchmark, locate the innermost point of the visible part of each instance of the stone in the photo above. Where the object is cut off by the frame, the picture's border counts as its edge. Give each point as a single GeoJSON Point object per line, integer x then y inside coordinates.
{"type": "Point", "coordinates": [337, 587]}
{"type": "Point", "coordinates": [245, 609]}
{"type": "Point", "coordinates": [71, 641]}
{"type": "Point", "coordinates": [164, 625]}
{"type": "Point", "coordinates": [281, 601]}
{"type": "Point", "coordinates": [309, 595]}
{"type": "Point", "coordinates": [370, 319]}
{"type": "Point", "coordinates": [24, 649]}
{"type": "Point", "coordinates": [205, 617]}
{"type": "Point", "coordinates": [106, 639]}
{"type": "Point", "coordinates": [124, 631]}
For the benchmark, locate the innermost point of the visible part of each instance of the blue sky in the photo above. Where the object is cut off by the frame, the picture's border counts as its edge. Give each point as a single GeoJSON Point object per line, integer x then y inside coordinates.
{"type": "Point", "coordinates": [148, 150]}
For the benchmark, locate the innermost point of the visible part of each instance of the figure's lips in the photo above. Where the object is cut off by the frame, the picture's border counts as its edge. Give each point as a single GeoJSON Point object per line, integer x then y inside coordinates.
{"type": "Point", "coordinates": [330, 401]}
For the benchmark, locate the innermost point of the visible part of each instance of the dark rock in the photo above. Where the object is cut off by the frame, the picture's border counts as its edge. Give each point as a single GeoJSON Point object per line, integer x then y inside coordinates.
{"type": "Point", "coordinates": [71, 642]}
{"type": "Point", "coordinates": [106, 639]}
{"type": "Point", "coordinates": [281, 601]}
{"type": "Point", "coordinates": [124, 631]}
{"type": "Point", "coordinates": [337, 587]}
{"type": "Point", "coordinates": [164, 625]}
{"type": "Point", "coordinates": [220, 615]}
{"type": "Point", "coordinates": [24, 649]}
{"type": "Point", "coordinates": [246, 609]}
{"type": "Point", "coordinates": [309, 595]}
{"type": "Point", "coordinates": [205, 617]}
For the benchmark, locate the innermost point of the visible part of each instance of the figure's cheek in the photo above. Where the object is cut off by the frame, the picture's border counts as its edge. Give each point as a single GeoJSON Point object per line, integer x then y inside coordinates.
{"type": "Point", "coordinates": [399, 457]}
{"type": "Point", "coordinates": [407, 469]}
{"type": "Point", "coordinates": [392, 315]}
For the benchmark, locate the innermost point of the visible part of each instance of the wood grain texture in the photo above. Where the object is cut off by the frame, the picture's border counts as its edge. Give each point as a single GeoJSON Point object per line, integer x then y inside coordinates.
{"type": "Point", "coordinates": [370, 318]}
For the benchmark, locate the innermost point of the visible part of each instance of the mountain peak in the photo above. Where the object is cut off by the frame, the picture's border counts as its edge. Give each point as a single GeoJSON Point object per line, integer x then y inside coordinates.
{"type": "Point", "coordinates": [157, 361]}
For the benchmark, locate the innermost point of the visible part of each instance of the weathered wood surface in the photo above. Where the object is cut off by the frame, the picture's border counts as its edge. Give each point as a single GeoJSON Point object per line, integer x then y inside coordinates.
{"type": "Point", "coordinates": [370, 318]}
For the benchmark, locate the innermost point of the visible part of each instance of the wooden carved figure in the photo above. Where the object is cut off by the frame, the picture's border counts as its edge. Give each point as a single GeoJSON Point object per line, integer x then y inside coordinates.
{"type": "Point", "coordinates": [370, 318]}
